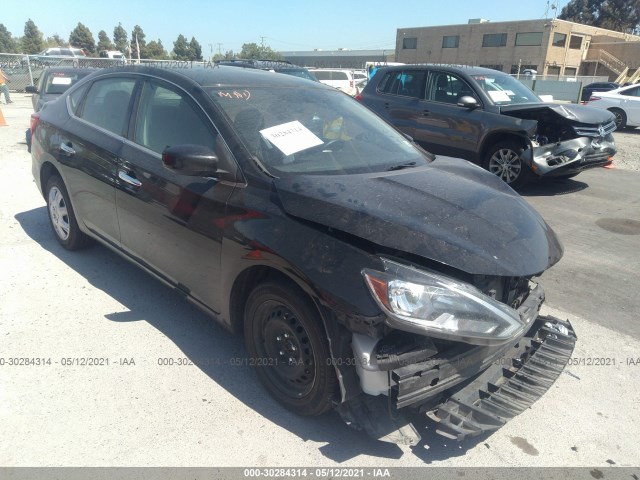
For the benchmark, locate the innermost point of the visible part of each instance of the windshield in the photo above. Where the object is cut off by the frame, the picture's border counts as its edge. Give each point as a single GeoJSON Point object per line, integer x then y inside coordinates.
{"type": "Point", "coordinates": [504, 89]}
{"type": "Point", "coordinates": [314, 131]}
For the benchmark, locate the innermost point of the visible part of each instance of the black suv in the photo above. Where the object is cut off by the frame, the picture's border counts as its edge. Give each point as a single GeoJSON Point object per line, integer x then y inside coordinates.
{"type": "Point", "coordinates": [491, 119]}
{"type": "Point", "coordinates": [278, 66]}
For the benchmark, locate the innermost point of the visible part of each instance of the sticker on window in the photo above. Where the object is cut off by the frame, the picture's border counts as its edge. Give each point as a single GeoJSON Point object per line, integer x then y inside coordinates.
{"type": "Point", "coordinates": [499, 96]}
{"type": "Point", "coordinates": [291, 137]}
{"type": "Point", "coordinates": [61, 81]}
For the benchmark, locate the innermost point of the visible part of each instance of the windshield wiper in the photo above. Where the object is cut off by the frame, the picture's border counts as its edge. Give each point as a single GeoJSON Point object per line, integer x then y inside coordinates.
{"type": "Point", "coordinates": [401, 166]}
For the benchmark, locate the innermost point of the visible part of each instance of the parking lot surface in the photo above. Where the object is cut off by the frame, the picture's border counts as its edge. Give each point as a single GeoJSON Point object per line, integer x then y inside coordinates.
{"type": "Point", "coordinates": [121, 371]}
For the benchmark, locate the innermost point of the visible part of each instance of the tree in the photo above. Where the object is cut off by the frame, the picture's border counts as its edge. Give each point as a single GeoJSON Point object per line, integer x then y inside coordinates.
{"type": "Point", "coordinates": [55, 41]}
{"type": "Point", "coordinates": [256, 52]}
{"type": "Point", "coordinates": [120, 39]}
{"type": "Point", "coordinates": [181, 50]}
{"type": "Point", "coordinates": [156, 50]}
{"type": "Point", "coordinates": [7, 42]}
{"type": "Point", "coordinates": [104, 42]}
{"type": "Point", "coordinates": [196, 49]}
{"type": "Point", "coordinates": [228, 55]}
{"type": "Point", "coordinates": [32, 41]}
{"type": "Point", "coordinates": [619, 15]}
{"type": "Point", "coordinates": [82, 37]}
{"type": "Point", "coordinates": [137, 36]}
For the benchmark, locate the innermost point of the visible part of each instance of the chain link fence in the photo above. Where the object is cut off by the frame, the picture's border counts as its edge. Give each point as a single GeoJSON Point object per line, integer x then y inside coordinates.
{"type": "Point", "coordinates": [24, 70]}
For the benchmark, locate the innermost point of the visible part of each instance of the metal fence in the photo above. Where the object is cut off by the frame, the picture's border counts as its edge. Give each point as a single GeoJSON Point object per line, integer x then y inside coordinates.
{"type": "Point", "coordinates": [24, 70]}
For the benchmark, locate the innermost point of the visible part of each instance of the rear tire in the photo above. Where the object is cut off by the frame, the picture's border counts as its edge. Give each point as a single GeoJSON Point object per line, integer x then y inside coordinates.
{"type": "Point", "coordinates": [288, 346]}
{"type": "Point", "coordinates": [621, 118]}
{"type": "Point", "coordinates": [62, 217]}
{"type": "Point", "coordinates": [504, 159]}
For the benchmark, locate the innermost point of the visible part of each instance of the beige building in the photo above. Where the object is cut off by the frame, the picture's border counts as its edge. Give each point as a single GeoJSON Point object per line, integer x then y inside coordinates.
{"type": "Point", "coordinates": [551, 47]}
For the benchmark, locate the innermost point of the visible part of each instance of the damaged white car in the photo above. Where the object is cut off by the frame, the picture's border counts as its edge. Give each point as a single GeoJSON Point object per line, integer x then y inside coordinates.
{"type": "Point", "coordinates": [491, 119]}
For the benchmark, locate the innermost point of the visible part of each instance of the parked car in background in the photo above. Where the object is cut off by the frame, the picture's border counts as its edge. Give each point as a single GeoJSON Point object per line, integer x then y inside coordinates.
{"type": "Point", "coordinates": [342, 79]}
{"type": "Point", "coordinates": [272, 202]}
{"type": "Point", "coordinates": [20, 77]}
{"type": "Point", "coordinates": [53, 82]}
{"type": "Point", "coordinates": [592, 88]}
{"type": "Point", "coordinates": [113, 54]}
{"type": "Point", "coordinates": [623, 102]}
{"type": "Point", "coordinates": [278, 66]}
{"type": "Point", "coordinates": [58, 55]}
{"type": "Point", "coordinates": [491, 119]}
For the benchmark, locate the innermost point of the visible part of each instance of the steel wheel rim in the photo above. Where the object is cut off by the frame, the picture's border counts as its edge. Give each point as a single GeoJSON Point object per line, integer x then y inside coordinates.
{"type": "Point", "coordinates": [618, 118]}
{"type": "Point", "coordinates": [506, 164]}
{"type": "Point", "coordinates": [284, 350]}
{"type": "Point", "coordinates": [58, 213]}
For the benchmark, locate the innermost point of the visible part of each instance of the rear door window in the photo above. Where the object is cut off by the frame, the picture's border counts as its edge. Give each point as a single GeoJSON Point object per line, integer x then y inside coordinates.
{"type": "Point", "coordinates": [107, 104]}
{"type": "Point", "coordinates": [408, 83]}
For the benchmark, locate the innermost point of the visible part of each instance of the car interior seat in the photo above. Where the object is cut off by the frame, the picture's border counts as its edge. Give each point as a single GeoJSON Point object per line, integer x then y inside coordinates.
{"type": "Point", "coordinates": [442, 87]}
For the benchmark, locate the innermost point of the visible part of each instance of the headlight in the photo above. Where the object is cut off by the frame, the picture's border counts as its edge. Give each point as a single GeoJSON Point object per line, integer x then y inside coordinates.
{"type": "Point", "coordinates": [431, 304]}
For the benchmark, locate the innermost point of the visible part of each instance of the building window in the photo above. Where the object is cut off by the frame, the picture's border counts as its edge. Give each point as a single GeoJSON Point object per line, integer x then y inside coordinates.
{"type": "Point", "coordinates": [575, 43]}
{"type": "Point", "coordinates": [494, 40]}
{"type": "Point", "coordinates": [530, 39]}
{"type": "Point", "coordinates": [559, 39]}
{"type": "Point", "coordinates": [553, 71]}
{"type": "Point", "coordinates": [570, 71]}
{"type": "Point", "coordinates": [493, 67]}
{"type": "Point", "coordinates": [450, 41]}
{"type": "Point", "coordinates": [409, 43]}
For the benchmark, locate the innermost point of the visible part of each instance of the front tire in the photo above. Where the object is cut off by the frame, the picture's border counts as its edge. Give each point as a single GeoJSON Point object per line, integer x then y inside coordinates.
{"type": "Point", "coordinates": [288, 346]}
{"type": "Point", "coordinates": [504, 159]}
{"type": "Point", "coordinates": [62, 217]}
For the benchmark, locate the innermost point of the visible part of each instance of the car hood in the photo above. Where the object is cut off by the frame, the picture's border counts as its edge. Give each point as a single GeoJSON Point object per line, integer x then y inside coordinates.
{"type": "Point", "coordinates": [449, 211]}
{"type": "Point", "coordinates": [575, 113]}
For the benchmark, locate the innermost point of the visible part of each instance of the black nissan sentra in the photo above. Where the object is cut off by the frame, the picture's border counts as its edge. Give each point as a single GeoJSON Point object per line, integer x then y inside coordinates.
{"type": "Point", "coordinates": [366, 275]}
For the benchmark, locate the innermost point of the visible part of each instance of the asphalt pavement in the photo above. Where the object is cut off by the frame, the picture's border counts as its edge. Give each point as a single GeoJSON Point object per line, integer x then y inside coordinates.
{"type": "Point", "coordinates": [118, 370]}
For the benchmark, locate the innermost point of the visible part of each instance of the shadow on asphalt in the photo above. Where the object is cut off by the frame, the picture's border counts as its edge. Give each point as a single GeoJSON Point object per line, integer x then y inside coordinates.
{"type": "Point", "coordinates": [549, 187]}
{"type": "Point", "coordinates": [212, 349]}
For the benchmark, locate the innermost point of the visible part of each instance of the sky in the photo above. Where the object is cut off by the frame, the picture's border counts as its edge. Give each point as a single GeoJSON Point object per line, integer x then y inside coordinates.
{"type": "Point", "coordinates": [283, 25]}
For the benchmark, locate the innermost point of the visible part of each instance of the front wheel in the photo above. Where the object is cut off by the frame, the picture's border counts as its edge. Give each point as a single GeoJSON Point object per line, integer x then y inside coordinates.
{"type": "Point", "coordinates": [288, 346]}
{"type": "Point", "coordinates": [62, 217]}
{"type": "Point", "coordinates": [504, 159]}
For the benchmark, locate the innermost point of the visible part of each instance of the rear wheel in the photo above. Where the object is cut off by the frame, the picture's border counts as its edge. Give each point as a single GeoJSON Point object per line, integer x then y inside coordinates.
{"type": "Point", "coordinates": [621, 118]}
{"type": "Point", "coordinates": [62, 217]}
{"type": "Point", "coordinates": [504, 159]}
{"type": "Point", "coordinates": [288, 346]}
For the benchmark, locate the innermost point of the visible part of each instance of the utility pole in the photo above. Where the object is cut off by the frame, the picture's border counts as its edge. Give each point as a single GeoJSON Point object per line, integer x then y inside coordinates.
{"type": "Point", "coordinates": [262, 47]}
{"type": "Point", "coordinates": [219, 51]}
{"type": "Point", "coordinates": [211, 51]}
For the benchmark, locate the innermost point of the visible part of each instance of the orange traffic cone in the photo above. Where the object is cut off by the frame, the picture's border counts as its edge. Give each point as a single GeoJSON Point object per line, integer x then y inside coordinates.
{"type": "Point", "coordinates": [3, 122]}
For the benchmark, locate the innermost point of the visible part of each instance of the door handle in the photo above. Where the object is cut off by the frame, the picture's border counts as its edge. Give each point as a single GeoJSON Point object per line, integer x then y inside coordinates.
{"type": "Point", "coordinates": [425, 113]}
{"type": "Point", "coordinates": [66, 150]}
{"type": "Point", "coordinates": [125, 177]}
{"type": "Point", "coordinates": [386, 105]}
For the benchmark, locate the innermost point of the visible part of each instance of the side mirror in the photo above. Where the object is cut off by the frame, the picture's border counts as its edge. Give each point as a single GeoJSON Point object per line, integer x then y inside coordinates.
{"type": "Point", "coordinates": [468, 102]}
{"type": "Point", "coordinates": [192, 160]}
{"type": "Point", "coordinates": [31, 89]}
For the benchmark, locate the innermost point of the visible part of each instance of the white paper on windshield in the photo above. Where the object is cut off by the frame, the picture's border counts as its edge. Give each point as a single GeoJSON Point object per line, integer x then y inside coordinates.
{"type": "Point", "coordinates": [499, 96]}
{"type": "Point", "coordinates": [61, 81]}
{"type": "Point", "coordinates": [291, 137]}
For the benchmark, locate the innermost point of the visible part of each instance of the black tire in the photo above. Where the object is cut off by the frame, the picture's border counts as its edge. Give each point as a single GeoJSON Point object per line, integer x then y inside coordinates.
{"type": "Point", "coordinates": [621, 118]}
{"type": "Point", "coordinates": [62, 217]}
{"type": "Point", "coordinates": [504, 159]}
{"type": "Point", "coordinates": [288, 346]}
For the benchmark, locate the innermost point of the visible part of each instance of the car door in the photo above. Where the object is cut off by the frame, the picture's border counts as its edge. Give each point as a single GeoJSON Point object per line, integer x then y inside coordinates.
{"type": "Point", "coordinates": [631, 105]}
{"type": "Point", "coordinates": [444, 127]}
{"type": "Point", "coordinates": [89, 148]}
{"type": "Point", "coordinates": [399, 97]}
{"type": "Point", "coordinates": [169, 222]}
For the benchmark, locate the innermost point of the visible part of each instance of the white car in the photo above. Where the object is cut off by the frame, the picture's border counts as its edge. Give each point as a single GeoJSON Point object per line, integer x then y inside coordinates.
{"type": "Point", "coordinates": [339, 78]}
{"type": "Point", "coordinates": [623, 102]}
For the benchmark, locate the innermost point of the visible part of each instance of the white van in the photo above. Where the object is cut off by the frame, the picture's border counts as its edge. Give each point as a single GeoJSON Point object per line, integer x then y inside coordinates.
{"type": "Point", "coordinates": [112, 54]}
{"type": "Point", "coordinates": [339, 78]}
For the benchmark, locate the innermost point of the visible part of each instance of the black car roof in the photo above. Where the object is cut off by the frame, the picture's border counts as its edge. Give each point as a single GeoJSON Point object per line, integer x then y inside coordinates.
{"type": "Point", "coordinates": [210, 75]}
{"type": "Point", "coordinates": [464, 69]}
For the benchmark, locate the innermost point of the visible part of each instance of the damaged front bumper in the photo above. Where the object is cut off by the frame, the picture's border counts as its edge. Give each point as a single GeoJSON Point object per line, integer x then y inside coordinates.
{"type": "Point", "coordinates": [468, 391]}
{"type": "Point", "coordinates": [571, 156]}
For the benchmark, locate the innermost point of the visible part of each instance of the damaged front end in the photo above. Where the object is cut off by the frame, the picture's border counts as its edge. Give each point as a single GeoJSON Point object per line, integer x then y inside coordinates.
{"type": "Point", "coordinates": [484, 364]}
{"type": "Point", "coordinates": [568, 138]}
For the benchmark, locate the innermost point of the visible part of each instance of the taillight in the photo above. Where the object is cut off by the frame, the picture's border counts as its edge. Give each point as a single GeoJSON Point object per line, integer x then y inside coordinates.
{"type": "Point", "coordinates": [593, 99]}
{"type": "Point", "coordinates": [35, 118]}
{"type": "Point", "coordinates": [358, 97]}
